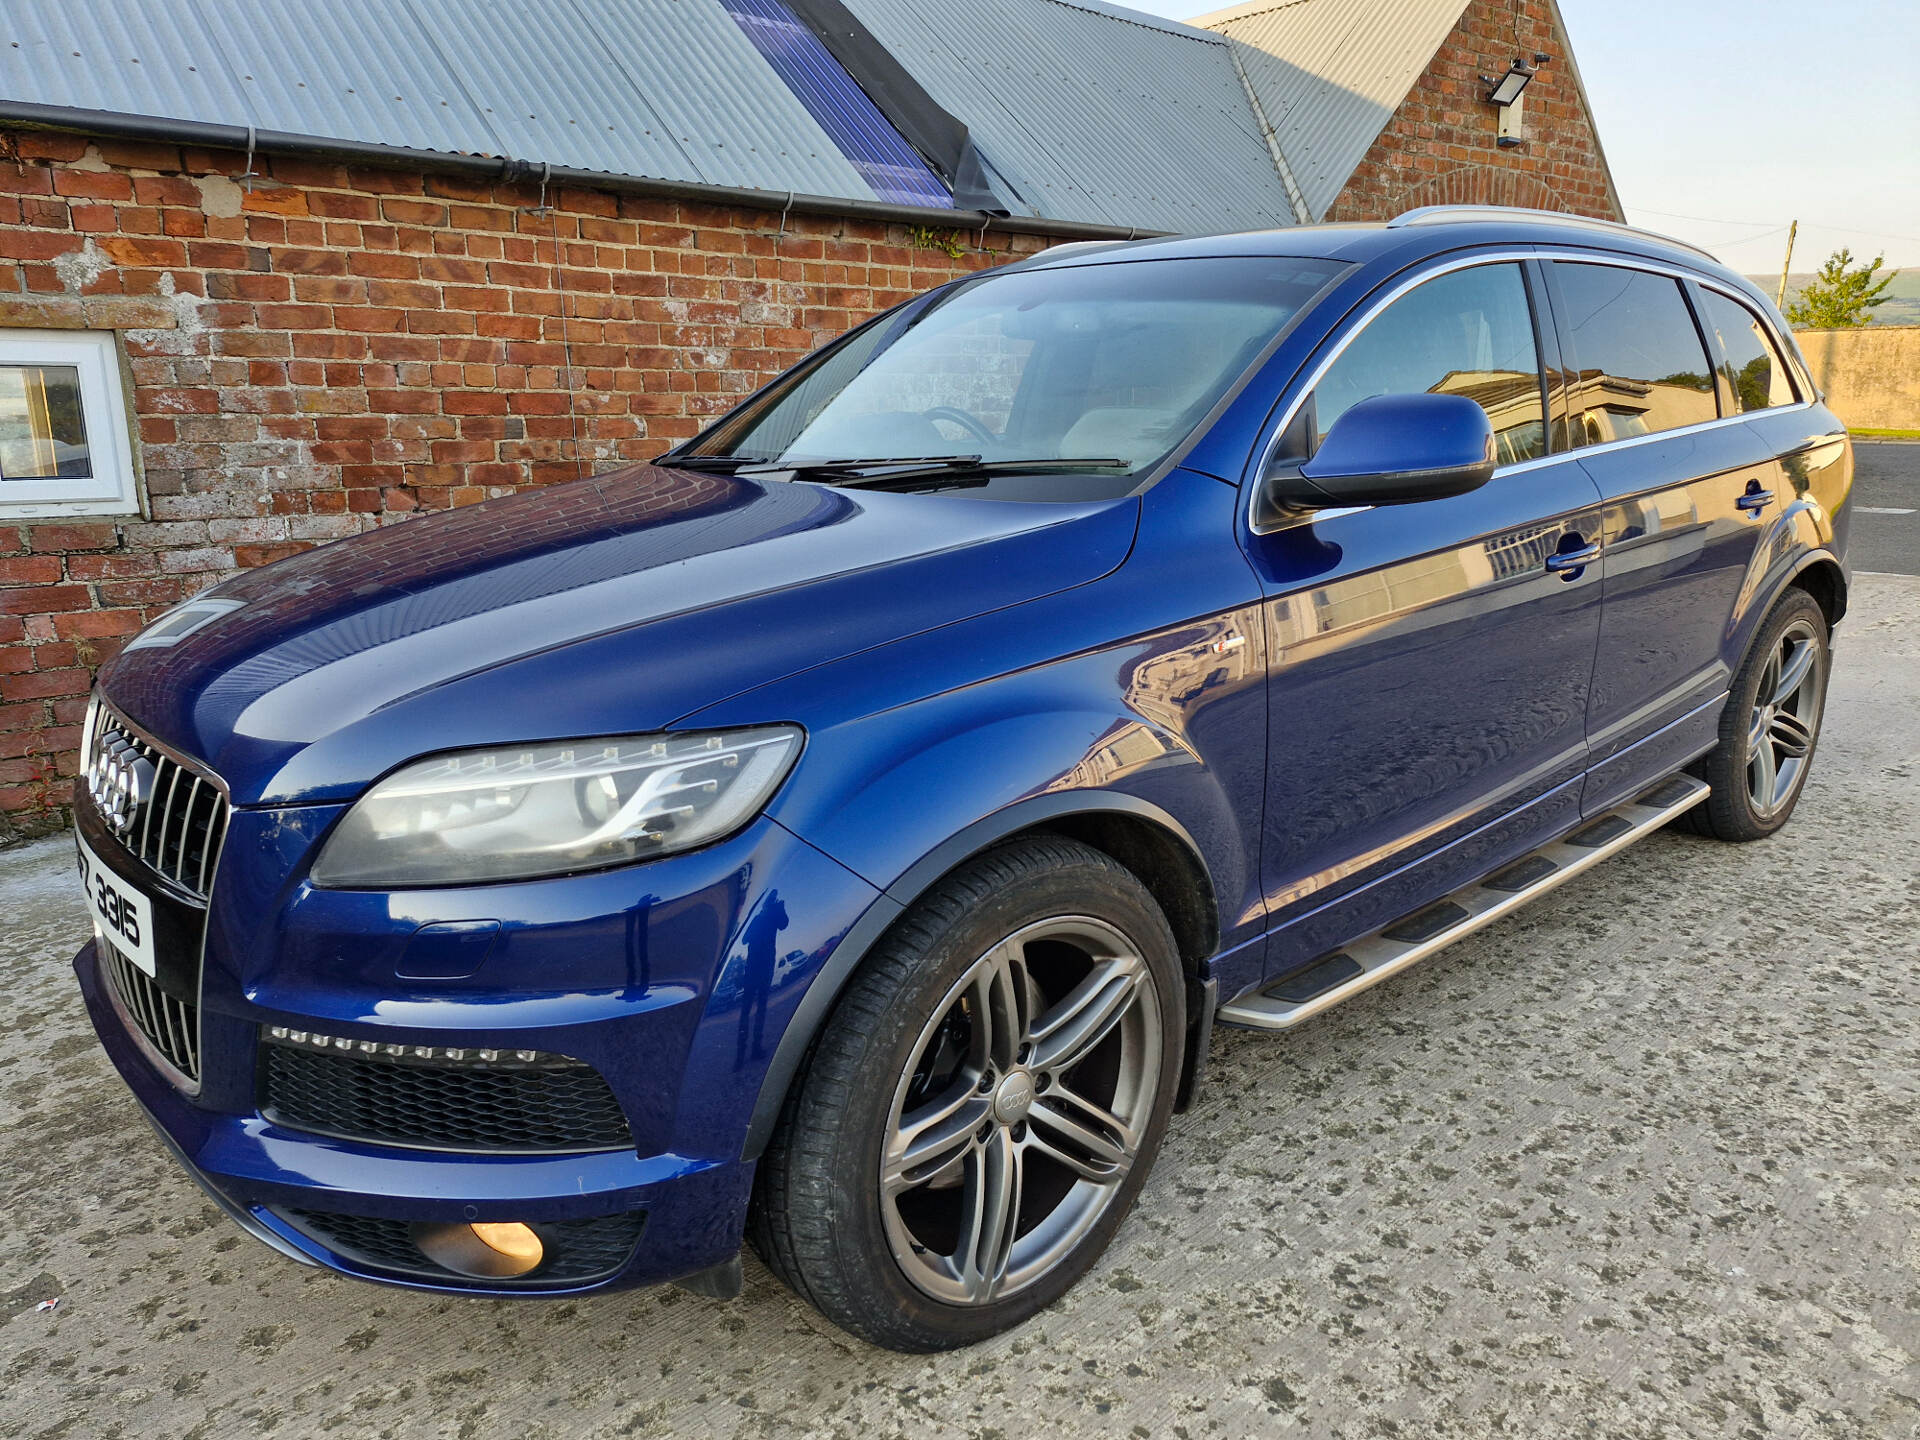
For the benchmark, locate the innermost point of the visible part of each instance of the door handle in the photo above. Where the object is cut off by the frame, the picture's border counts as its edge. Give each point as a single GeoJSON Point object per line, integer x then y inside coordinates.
{"type": "Point", "coordinates": [1754, 501]}
{"type": "Point", "coordinates": [1562, 561]}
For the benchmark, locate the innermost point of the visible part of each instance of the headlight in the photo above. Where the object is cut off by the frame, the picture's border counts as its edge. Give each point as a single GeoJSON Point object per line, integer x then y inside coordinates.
{"type": "Point", "coordinates": [532, 810]}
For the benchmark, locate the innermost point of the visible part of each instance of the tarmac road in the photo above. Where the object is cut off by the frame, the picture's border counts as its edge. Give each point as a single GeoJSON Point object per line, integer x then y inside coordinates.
{"type": "Point", "coordinates": [1886, 507]}
{"type": "Point", "coordinates": [1637, 1162]}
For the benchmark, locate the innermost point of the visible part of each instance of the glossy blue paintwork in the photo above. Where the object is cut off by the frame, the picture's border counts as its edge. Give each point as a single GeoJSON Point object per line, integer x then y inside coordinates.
{"type": "Point", "coordinates": [1325, 722]}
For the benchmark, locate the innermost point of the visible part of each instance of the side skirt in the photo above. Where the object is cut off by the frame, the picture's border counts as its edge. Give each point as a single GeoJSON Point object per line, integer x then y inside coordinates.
{"type": "Point", "coordinates": [1324, 983]}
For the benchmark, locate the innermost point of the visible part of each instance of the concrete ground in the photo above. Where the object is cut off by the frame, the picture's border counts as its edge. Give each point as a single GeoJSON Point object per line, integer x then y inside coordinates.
{"type": "Point", "coordinates": [1638, 1162]}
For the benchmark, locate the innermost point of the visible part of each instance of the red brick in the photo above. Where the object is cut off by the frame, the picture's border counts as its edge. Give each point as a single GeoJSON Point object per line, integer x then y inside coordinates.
{"type": "Point", "coordinates": [44, 684]}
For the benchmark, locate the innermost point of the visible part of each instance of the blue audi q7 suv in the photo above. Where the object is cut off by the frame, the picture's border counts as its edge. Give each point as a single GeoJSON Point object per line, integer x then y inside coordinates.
{"type": "Point", "coordinates": [844, 832]}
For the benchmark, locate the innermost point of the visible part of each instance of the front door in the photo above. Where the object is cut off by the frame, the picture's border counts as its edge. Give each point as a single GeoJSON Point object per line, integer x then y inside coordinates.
{"type": "Point", "coordinates": [1430, 662]}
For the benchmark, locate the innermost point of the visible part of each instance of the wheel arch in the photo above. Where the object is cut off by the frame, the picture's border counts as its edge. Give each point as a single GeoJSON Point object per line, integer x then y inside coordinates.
{"type": "Point", "coordinates": [1149, 842]}
{"type": "Point", "coordinates": [1820, 576]}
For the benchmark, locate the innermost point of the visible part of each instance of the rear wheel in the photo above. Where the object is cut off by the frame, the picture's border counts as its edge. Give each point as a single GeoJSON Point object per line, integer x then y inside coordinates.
{"type": "Point", "coordinates": [983, 1104]}
{"type": "Point", "coordinates": [1770, 727]}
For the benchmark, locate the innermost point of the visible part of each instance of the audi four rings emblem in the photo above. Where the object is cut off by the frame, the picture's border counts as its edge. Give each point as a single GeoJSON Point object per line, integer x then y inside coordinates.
{"type": "Point", "coordinates": [120, 780]}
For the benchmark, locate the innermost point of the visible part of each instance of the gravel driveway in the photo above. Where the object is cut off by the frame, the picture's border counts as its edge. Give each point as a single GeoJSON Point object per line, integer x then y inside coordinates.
{"type": "Point", "coordinates": [1643, 1160]}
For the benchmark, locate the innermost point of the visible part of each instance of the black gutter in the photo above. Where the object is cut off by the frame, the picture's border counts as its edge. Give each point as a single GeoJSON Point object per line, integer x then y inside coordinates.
{"type": "Point", "coordinates": [494, 167]}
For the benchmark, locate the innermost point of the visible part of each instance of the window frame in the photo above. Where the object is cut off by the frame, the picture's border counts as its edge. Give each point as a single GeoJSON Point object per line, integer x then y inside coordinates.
{"type": "Point", "coordinates": [1703, 336]}
{"type": "Point", "coordinates": [1730, 400]}
{"type": "Point", "coordinates": [1301, 386]}
{"type": "Point", "coordinates": [113, 488]}
{"type": "Point", "coordinates": [1536, 319]}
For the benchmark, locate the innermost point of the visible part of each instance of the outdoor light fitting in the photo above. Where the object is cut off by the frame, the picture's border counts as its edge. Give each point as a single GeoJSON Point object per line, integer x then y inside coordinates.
{"type": "Point", "coordinates": [1509, 93]}
{"type": "Point", "coordinates": [1508, 87]}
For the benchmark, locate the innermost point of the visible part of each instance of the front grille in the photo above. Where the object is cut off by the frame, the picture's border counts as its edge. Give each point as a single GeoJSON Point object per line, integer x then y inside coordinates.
{"type": "Point", "coordinates": [554, 1104]}
{"type": "Point", "coordinates": [171, 1027]}
{"type": "Point", "coordinates": [167, 814]}
{"type": "Point", "coordinates": [577, 1251]}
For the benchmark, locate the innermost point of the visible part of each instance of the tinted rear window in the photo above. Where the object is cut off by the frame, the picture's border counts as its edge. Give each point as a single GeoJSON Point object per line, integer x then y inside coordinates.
{"type": "Point", "coordinates": [1639, 363]}
{"type": "Point", "coordinates": [1752, 366]}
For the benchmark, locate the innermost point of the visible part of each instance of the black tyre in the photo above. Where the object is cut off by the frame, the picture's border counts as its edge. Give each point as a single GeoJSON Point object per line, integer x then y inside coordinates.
{"type": "Point", "coordinates": [983, 1104]}
{"type": "Point", "coordinates": [1770, 727]}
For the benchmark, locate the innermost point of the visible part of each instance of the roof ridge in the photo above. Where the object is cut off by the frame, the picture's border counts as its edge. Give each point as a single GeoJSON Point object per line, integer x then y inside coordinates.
{"type": "Point", "coordinates": [1183, 29]}
{"type": "Point", "coordinates": [1243, 11]}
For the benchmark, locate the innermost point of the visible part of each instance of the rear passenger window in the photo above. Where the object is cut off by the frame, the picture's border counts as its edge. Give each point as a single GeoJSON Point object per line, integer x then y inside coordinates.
{"type": "Point", "coordinates": [1465, 333]}
{"type": "Point", "coordinates": [1752, 366]}
{"type": "Point", "coordinates": [1638, 361]}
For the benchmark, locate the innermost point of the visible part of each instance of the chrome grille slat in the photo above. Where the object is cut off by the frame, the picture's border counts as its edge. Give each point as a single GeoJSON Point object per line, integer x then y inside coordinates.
{"type": "Point", "coordinates": [177, 835]}
{"type": "Point", "coordinates": [184, 820]}
{"type": "Point", "coordinates": [170, 1027]}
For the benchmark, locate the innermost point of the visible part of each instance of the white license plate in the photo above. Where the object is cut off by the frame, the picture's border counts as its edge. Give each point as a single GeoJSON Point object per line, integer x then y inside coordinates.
{"type": "Point", "coordinates": [122, 916]}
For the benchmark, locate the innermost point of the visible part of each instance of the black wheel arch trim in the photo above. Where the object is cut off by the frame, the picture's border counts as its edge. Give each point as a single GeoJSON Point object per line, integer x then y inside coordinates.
{"type": "Point", "coordinates": [1842, 582]}
{"type": "Point", "coordinates": [865, 932]}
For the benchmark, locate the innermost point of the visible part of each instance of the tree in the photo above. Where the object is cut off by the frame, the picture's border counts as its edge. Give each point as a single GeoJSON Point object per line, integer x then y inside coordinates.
{"type": "Point", "coordinates": [1841, 296]}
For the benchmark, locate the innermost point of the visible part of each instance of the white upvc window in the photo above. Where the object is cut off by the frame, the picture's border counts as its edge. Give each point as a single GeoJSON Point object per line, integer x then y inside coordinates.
{"type": "Point", "coordinates": [64, 446]}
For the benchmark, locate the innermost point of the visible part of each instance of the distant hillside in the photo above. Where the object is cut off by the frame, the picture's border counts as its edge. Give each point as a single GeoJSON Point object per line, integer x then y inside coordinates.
{"type": "Point", "coordinates": [1903, 296]}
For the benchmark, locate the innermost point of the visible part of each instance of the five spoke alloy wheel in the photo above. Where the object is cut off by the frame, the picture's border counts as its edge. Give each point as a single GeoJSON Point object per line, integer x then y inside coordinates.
{"type": "Point", "coordinates": [1769, 727]}
{"type": "Point", "coordinates": [1785, 717]}
{"type": "Point", "coordinates": [1021, 1110]}
{"type": "Point", "coordinates": [984, 1103]}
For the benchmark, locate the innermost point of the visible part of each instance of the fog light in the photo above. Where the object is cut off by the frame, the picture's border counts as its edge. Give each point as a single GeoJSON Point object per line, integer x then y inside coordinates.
{"type": "Point", "coordinates": [494, 1250]}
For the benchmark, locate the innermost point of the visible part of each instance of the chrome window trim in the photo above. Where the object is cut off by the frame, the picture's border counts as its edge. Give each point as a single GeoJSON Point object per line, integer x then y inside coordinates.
{"type": "Point", "coordinates": [1498, 257]}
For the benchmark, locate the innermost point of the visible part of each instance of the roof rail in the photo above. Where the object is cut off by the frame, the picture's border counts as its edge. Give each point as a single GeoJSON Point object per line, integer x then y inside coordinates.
{"type": "Point", "coordinates": [1463, 214]}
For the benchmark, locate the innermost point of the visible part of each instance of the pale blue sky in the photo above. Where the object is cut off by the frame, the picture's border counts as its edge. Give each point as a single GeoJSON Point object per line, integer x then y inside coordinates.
{"type": "Point", "coordinates": [1717, 134]}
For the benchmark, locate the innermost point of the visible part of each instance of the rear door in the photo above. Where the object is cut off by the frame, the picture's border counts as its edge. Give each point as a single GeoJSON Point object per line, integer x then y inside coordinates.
{"type": "Point", "coordinates": [1430, 661]}
{"type": "Point", "coordinates": [1687, 492]}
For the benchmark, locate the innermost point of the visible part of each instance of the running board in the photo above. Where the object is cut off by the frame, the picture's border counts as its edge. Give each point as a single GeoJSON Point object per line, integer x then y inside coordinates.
{"type": "Point", "coordinates": [1332, 978]}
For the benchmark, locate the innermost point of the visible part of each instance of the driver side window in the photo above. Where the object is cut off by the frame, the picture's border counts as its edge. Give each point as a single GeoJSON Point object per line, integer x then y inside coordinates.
{"type": "Point", "coordinates": [1469, 332]}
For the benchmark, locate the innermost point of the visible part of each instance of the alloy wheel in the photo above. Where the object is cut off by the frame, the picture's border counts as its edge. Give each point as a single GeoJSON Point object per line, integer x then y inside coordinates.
{"type": "Point", "coordinates": [1021, 1110]}
{"type": "Point", "coordinates": [1785, 719]}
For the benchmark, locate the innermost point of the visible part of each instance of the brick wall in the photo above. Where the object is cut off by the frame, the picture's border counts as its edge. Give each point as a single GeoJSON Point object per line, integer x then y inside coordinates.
{"type": "Point", "coordinates": [1440, 147]}
{"type": "Point", "coordinates": [334, 349]}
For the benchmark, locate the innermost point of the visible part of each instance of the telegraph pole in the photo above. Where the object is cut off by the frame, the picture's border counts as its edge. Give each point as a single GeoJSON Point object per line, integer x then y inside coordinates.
{"type": "Point", "coordinates": [1780, 300]}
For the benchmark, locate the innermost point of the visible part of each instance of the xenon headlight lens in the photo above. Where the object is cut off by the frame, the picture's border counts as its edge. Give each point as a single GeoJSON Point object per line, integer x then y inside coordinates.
{"type": "Point", "coordinates": [529, 810]}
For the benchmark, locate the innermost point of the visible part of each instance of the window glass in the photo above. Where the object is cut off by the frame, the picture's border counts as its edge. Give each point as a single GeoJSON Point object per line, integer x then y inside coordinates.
{"type": "Point", "coordinates": [1639, 365]}
{"type": "Point", "coordinates": [43, 430]}
{"type": "Point", "coordinates": [64, 446]}
{"type": "Point", "coordinates": [1752, 366]}
{"type": "Point", "coordinates": [1466, 333]}
{"type": "Point", "coordinates": [1112, 362]}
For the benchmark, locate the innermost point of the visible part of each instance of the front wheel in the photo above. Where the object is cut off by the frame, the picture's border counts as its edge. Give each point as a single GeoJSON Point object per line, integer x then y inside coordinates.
{"type": "Point", "coordinates": [983, 1104]}
{"type": "Point", "coordinates": [1770, 727]}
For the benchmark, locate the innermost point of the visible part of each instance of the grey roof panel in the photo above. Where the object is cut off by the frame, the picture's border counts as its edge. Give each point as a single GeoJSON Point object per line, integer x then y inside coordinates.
{"type": "Point", "coordinates": [134, 59]}
{"type": "Point", "coordinates": [1094, 115]}
{"type": "Point", "coordinates": [339, 70]}
{"type": "Point", "coordinates": [668, 89]}
{"type": "Point", "coordinates": [1330, 73]}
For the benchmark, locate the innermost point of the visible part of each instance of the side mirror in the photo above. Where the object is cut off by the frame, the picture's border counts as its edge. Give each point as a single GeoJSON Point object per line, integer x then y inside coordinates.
{"type": "Point", "coordinates": [1390, 450]}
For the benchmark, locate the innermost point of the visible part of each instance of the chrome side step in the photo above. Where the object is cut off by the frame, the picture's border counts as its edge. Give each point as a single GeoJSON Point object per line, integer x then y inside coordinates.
{"type": "Point", "coordinates": [1325, 983]}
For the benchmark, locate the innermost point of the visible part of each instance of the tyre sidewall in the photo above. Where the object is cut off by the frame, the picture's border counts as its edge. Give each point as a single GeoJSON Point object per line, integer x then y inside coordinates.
{"type": "Point", "coordinates": [1733, 805]}
{"type": "Point", "coordinates": [879, 1287]}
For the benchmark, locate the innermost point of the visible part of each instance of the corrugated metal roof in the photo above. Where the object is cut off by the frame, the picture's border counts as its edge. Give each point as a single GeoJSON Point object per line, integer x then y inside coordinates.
{"type": "Point", "coordinates": [1330, 73]}
{"type": "Point", "coordinates": [1093, 114]}
{"type": "Point", "coordinates": [667, 89]}
{"type": "Point", "coordinates": [1080, 110]}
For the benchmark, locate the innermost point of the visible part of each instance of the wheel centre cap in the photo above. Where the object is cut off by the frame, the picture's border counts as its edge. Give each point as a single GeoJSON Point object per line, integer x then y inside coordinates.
{"type": "Point", "coordinates": [1013, 1098]}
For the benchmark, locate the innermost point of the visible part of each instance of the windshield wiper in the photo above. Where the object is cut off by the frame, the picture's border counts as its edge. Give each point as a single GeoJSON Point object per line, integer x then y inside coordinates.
{"type": "Point", "coordinates": [718, 464]}
{"type": "Point", "coordinates": [874, 472]}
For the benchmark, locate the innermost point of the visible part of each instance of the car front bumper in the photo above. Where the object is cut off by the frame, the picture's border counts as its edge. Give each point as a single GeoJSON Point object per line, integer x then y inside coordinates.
{"type": "Point", "coordinates": [668, 979]}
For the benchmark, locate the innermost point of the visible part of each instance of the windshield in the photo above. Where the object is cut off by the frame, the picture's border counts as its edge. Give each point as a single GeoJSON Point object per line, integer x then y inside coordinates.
{"type": "Point", "coordinates": [1094, 368]}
